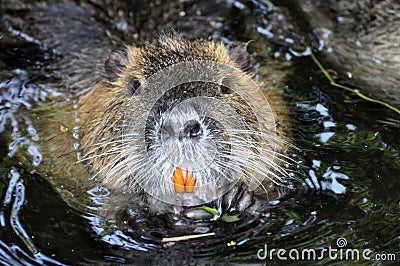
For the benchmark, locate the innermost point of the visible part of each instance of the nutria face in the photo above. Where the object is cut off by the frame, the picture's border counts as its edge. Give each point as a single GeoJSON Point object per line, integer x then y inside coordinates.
{"type": "Point", "coordinates": [184, 133]}
{"type": "Point", "coordinates": [181, 128]}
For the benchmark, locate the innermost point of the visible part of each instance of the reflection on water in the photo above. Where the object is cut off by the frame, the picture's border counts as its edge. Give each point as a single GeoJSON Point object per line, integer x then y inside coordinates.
{"type": "Point", "coordinates": [14, 199]}
{"type": "Point", "coordinates": [18, 95]}
{"type": "Point", "coordinates": [348, 164]}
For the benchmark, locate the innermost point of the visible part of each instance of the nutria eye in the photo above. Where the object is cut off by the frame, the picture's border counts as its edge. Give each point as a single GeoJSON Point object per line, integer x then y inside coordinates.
{"type": "Point", "coordinates": [225, 90]}
{"type": "Point", "coordinates": [134, 86]}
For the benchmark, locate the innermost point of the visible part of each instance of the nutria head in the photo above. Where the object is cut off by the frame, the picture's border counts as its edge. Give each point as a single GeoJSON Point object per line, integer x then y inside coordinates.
{"type": "Point", "coordinates": [181, 122]}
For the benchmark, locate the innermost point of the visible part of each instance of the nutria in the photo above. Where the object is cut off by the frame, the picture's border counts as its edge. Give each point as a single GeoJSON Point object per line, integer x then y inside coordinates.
{"type": "Point", "coordinates": [136, 144]}
{"type": "Point", "coordinates": [209, 123]}
{"type": "Point", "coordinates": [170, 124]}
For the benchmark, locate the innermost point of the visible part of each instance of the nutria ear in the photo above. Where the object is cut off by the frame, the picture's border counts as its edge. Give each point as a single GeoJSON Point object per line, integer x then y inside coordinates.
{"type": "Point", "coordinates": [115, 63]}
{"type": "Point", "coordinates": [239, 55]}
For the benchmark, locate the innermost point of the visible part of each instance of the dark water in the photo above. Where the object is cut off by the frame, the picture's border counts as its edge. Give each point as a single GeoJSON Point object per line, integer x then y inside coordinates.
{"type": "Point", "coordinates": [349, 165]}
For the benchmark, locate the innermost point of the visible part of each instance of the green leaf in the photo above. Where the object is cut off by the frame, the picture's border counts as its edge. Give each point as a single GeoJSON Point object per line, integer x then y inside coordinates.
{"type": "Point", "coordinates": [230, 218]}
{"type": "Point", "coordinates": [210, 210]}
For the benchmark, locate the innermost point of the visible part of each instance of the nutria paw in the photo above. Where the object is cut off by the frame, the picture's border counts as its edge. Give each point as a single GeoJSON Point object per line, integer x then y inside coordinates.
{"type": "Point", "coordinates": [238, 199]}
{"type": "Point", "coordinates": [235, 201]}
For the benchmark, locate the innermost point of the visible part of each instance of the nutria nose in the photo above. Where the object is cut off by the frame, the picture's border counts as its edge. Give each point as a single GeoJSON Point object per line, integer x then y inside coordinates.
{"type": "Point", "coordinates": [191, 129]}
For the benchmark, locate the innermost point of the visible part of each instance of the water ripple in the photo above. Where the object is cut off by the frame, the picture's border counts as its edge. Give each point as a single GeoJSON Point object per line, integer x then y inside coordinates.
{"type": "Point", "coordinates": [13, 254]}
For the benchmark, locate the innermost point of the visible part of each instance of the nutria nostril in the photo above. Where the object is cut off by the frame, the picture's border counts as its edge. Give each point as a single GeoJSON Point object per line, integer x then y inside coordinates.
{"type": "Point", "coordinates": [191, 129]}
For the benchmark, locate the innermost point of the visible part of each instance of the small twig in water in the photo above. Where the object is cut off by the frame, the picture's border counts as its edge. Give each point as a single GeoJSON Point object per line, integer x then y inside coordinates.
{"type": "Point", "coordinates": [355, 91]}
{"type": "Point", "coordinates": [180, 238]}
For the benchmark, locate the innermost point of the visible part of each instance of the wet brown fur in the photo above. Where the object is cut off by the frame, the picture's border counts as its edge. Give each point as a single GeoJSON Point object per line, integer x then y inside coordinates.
{"type": "Point", "coordinates": [101, 110]}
